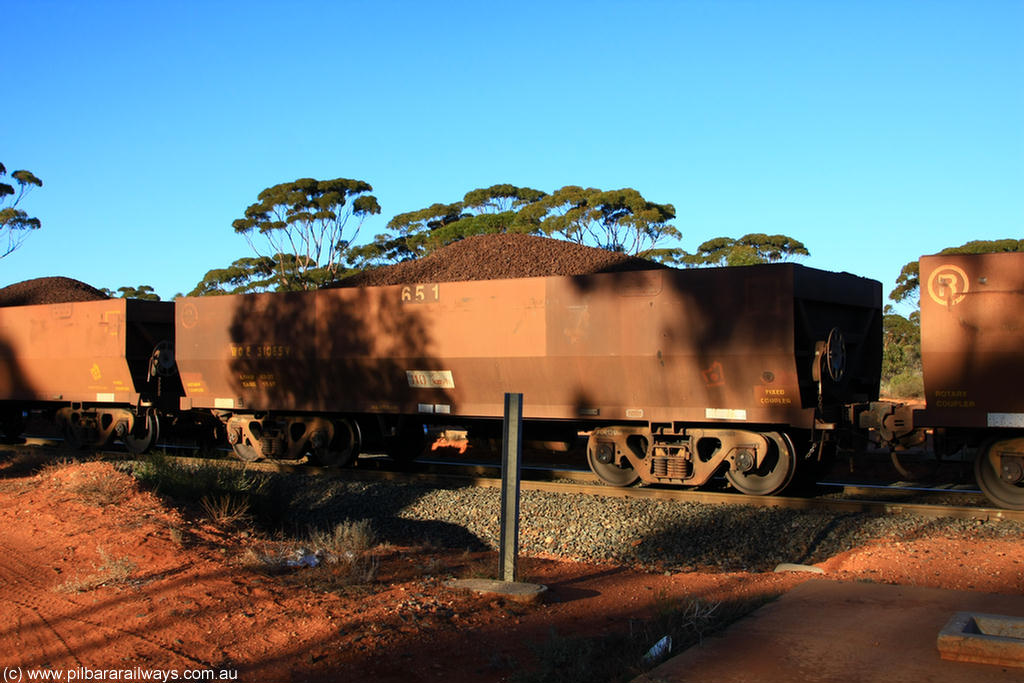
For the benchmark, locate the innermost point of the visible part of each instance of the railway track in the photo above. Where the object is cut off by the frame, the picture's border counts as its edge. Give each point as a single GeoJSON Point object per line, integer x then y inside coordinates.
{"type": "Point", "coordinates": [842, 499]}
{"type": "Point", "coordinates": [585, 483]}
{"type": "Point", "coordinates": [835, 497]}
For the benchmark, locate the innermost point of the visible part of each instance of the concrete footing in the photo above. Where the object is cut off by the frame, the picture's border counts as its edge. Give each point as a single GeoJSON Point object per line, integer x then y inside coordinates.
{"type": "Point", "coordinates": [512, 590]}
{"type": "Point", "coordinates": [983, 638]}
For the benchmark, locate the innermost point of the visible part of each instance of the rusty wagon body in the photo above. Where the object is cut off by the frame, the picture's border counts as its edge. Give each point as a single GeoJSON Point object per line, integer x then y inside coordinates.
{"type": "Point", "coordinates": [972, 355]}
{"type": "Point", "coordinates": [675, 372]}
{"type": "Point", "coordinates": [104, 367]}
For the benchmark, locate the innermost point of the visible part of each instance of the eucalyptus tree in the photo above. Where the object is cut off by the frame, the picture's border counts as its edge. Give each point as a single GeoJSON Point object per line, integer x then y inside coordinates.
{"type": "Point", "coordinates": [500, 199]}
{"type": "Point", "coordinates": [416, 233]}
{"type": "Point", "coordinates": [901, 353]}
{"type": "Point", "coordinates": [15, 224]}
{"type": "Point", "coordinates": [618, 220]}
{"type": "Point", "coordinates": [255, 274]}
{"type": "Point", "coordinates": [748, 250]}
{"type": "Point", "coordinates": [144, 292]}
{"type": "Point", "coordinates": [486, 211]}
{"type": "Point", "coordinates": [302, 230]}
{"type": "Point", "coordinates": [407, 236]}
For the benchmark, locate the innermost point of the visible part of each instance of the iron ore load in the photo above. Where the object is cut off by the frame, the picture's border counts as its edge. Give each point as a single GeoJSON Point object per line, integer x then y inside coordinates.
{"type": "Point", "coordinates": [677, 374]}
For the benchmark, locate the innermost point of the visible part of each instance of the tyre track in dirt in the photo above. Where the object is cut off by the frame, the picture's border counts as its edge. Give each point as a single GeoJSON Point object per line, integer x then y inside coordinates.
{"type": "Point", "coordinates": [44, 617]}
{"type": "Point", "coordinates": [16, 590]}
{"type": "Point", "coordinates": [181, 600]}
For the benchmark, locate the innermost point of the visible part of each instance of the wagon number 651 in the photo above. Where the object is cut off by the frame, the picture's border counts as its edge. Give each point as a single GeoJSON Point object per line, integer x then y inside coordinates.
{"type": "Point", "coordinates": [418, 294]}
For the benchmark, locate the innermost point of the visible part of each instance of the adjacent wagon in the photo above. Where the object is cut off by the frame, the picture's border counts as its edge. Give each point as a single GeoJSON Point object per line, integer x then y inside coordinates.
{"type": "Point", "coordinates": [972, 353]}
{"type": "Point", "coordinates": [105, 368]}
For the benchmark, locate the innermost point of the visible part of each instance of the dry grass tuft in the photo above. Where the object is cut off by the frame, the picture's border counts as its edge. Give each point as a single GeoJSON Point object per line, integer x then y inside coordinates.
{"type": "Point", "coordinates": [345, 538]}
{"type": "Point", "coordinates": [96, 486]}
{"type": "Point", "coordinates": [329, 561]}
{"type": "Point", "coordinates": [225, 510]}
{"type": "Point", "coordinates": [102, 490]}
{"type": "Point", "coordinates": [111, 571]}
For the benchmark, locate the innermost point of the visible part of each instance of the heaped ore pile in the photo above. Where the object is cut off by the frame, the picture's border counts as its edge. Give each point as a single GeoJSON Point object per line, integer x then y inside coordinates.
{"type": "Point", "coordinates": [503, 255]}
{"type": "Point", "coordinates": [48, 290]}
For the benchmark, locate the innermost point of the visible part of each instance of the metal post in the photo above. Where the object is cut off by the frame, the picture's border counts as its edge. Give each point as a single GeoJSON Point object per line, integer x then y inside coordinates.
{"type": "Point", "coordinates": [512, 450]}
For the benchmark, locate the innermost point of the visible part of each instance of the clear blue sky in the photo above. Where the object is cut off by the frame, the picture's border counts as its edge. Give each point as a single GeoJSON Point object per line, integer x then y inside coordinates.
{"type": "Point", "coordinates": [874, 132]}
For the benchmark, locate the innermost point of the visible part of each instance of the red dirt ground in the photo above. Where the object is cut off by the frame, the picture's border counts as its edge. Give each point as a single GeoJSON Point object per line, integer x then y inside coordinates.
{"type": "Point", "coordinates": [98, 574]}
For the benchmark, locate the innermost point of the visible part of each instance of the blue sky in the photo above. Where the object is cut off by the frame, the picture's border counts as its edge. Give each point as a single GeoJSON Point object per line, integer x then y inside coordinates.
{"type": "Point", "coordinates": [874, 132]}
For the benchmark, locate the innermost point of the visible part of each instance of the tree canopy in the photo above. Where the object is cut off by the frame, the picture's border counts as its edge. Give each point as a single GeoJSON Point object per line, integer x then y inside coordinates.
{"type": "Point", "coordinates": [486, 211]}
{"type": "Point", "coordinates": [304, 228]}
{"type": "Point", "coordinates": [619, 220]}
{"type": "Point", "coordinates": [415, 234]}
{"type": "Point", "coordinates": [144, 292]}
{"type": "Point", "coordinates": [408, 236]}
{"type": "Point", "coordinates": [748, 250]}
{"type": "Point", "coordinates": [908, 283]}
{"type": "Point", "coordinates": [301, 233]}
{"type": "Point", "coordinates": [901, 354]}
{"type": "Point", "coordinates": [250, 274]}
{"type": "Point", "coordinates": [15, 224]}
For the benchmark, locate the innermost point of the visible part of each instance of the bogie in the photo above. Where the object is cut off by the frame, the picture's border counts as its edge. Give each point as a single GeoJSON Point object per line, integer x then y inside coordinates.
{"type": "Point", "coordinates": [754, 462]}
{"type": "Point", "coordinates": [322, 441]}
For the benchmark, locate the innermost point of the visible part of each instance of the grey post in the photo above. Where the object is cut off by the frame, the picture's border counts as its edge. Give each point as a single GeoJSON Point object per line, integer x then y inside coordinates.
{"type": "Point", "coordinates": [512, 450]}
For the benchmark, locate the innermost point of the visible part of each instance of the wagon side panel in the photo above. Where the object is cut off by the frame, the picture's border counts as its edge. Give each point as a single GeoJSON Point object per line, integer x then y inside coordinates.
{"type": "Point", "coordinates": [254, 352]}
{"type": "Point", "coordinates": [70, 352]}
{"type": "Point", "coordinates": [972, 333]}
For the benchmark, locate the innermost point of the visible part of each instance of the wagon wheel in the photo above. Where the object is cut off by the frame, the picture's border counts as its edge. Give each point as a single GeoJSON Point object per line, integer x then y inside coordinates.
{"type": "Point", "coordinates": [245, 452]}
{"type": "Point", "coordinates": [1000, 480]}
{"type": "Point", "coordinates": [245, 448]}
{"type": "Point", "coordinates": [601, 458]}
{"type": "Point", "coordinates": [341, 451]}
{"type": "Point", "coordinates": [142, 439]}
{"type": "Point", "coordinates": [775, 472]}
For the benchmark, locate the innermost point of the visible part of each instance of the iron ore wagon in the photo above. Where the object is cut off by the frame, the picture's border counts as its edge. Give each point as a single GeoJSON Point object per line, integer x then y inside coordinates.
{"type": "Point", "coordinates": [675, 374]}
{"type": "Point", "coordinates": [972, 353]}
{"type": "Point", "coordinates": [104, 369]}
